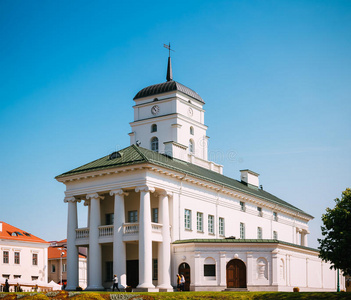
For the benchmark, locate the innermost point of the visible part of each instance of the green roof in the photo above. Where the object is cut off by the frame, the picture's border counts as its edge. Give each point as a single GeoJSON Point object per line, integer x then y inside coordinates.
{"type": "Point", "coordinates": [134, 155]}
{"type": "Point", "coordinates": [242, 241]}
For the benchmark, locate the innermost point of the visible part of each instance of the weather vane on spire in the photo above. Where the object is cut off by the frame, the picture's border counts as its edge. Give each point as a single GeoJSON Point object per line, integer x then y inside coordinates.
{"type": "Point", "coordinates": [169, 76]}
{"type": "Point", "coordinates": [169, 49]}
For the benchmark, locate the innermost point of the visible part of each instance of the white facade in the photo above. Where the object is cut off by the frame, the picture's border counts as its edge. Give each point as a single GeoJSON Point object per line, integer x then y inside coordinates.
{"type": "Point", "coordinates": [170, 219]}
{"type": "Point", "coordinates": [23, 258]}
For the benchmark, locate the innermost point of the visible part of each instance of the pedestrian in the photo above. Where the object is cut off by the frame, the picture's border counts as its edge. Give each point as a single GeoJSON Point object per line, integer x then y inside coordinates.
{"type": "Point", "coordinates": [115, 283]}
{"type": "Point", "coordinates": [178, 282]}
{"type": "Point", "coordinates": [7, 286]}
{"type": "Point", "coordinates": [182, 282]}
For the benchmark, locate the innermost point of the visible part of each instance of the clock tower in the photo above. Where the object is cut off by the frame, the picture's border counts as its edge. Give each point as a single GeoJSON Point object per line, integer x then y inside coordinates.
{"type": "Point", "coordinates": [169, 119]}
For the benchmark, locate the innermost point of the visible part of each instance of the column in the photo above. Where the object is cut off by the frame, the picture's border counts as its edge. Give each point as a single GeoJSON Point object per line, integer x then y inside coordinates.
{"type": "Point", "coordinates": [119, 247]}
{"type": "Point", "coordinates": [249, 267]}
{"type": "Point", "coordinates": [197, 270]}
{"type": "Point", "coordinates": [164, 249]}
{"type": "Point", "coordinates": [72, 251]}
{"type": "Point", "coordinates": [145, 241]}
{"type": "Point", "coordinates": [94, 255]}
{"type": "Point", "coordinates": [275, 267]}
{"type": "Point", "coordinates": [223, 269]}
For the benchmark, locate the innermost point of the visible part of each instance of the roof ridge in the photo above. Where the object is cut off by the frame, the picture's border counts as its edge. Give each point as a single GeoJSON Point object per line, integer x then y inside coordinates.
{"type": "Point", "coordinates": [138, 150]}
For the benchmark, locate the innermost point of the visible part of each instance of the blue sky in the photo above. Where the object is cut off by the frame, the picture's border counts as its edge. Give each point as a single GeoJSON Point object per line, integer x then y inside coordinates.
{"type": "Point", "coordinates": [275, 76]}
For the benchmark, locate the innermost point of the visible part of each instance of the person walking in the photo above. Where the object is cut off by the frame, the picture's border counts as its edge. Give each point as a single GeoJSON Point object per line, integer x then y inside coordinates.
{"type": "Point", "coordinates": [182, 282]}
{"type": "Point", "coordinates": [178, 282]}
{"type": "Point", "coordinates": [7, 286]}
{"type": "Point", "coordinates": [115, 283]}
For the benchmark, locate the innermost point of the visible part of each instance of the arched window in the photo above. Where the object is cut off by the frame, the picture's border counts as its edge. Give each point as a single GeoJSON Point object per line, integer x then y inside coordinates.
{"type": "Point", "coordinates": [191, 147]}
{"type": "Point", "coordinates": [191, 130]}
{"type": "Point", "coordinates": [154, 144]}
{"type": "Point", "coordinates": [153, 128]}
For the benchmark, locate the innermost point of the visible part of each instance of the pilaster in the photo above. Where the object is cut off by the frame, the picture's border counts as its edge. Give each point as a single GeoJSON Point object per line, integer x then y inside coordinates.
{"type": "Point", "coordinates": [223, 269]}
{"type": "Point", "coordinates": [275, 267]}
{"type": "Point", "coordinates": [249, 268]}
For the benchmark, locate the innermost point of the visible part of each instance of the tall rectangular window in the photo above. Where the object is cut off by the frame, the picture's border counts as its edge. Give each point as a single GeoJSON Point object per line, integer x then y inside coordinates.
{"type": "Point", "coordinates": [17, 258]}
{"type": "Point", "coordinates": [155, 215]}
{"type": "Point", "coordinates": [275, 235]}
{"type": "Point", "coordinates": [242, 206]}
{"type": "Point", "coordinates": [5, 256]}
{"type": "Point", "coordinates": [259, 232]}
{"type": "Point", "coordinates": [242, 230]}
{"type": "Point", "coordinates": [221, 226]}
{"type": "Point", "coordinates": [154, 269]}
{"type": "Point", "coordinates": [35, 259]}
{"type": "Point", "coordinates": [275, 216]}
{"type": "Point", "coordinates": [53, 268]}
{"type": "Point", "coordinates": [109, 218]}
{"type": "Point", "coordinates": [133, 216]}
{"type": "Point", "coordinates": [187, 219]}
{"type": "Point", "coordinates": [64, 267]}
{"type": "Point", "coordinates": [259, 210]}
{"type": "Point", "coordinates": [199, 218]}
{"type": "Point", "coordinates": [210, 224]}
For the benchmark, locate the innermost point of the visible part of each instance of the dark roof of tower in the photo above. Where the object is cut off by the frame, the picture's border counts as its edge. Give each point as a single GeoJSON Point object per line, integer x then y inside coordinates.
{"type": "Point", "coordinates": [134, 155]}
{"type": "Point", "coordinates": [165, 87]}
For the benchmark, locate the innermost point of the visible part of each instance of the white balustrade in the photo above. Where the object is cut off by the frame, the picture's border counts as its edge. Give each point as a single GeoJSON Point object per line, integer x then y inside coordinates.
{"type": "Point", "coordinates": [82, 233]}
{"type": "Point", "coordinates": [106, 230]}
{"type": "Point", "coordinates": [156, 227]}
{"type": "Point", "coordinates": [130, 228]}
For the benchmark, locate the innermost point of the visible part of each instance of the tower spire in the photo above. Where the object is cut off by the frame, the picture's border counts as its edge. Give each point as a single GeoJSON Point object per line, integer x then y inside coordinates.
{"type": "Point", "coordinates": [169, 76]}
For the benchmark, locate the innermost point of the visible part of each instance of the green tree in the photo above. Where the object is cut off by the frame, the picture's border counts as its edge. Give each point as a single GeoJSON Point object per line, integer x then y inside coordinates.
{"type": "Point", "coordinates": [335, 245]}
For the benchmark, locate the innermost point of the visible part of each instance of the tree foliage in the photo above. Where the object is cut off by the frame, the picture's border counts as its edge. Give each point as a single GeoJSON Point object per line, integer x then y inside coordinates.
{"type": "Point", "coordinates": [335, 246]}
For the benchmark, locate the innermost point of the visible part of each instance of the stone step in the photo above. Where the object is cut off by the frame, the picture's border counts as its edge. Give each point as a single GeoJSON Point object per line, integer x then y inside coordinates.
{"type": "Point", "coordinates": [236, 290]}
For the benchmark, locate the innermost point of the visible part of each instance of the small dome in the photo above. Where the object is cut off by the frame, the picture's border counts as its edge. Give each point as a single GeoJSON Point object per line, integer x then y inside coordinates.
{"type": "Point", "coordinates": [165, 87]}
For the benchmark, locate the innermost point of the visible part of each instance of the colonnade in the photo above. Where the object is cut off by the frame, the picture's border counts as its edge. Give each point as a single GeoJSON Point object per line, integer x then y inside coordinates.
{"type": "Point", "coordinates": [119, 246]}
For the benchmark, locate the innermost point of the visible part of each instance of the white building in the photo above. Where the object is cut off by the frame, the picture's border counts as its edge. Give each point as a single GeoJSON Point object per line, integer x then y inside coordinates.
{"type": "Point", "coordinates": [159, 207]}
{"type": "Point", "coordinates": [24, 257]}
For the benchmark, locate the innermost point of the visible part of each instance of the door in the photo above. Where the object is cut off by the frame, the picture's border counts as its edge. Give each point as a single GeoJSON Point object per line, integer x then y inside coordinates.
{"type": "Point", "coordinates": [133, 273]}
{"type": "Point", "coordinates": [184, 269]}
{"type": "Point", "coordinates": [236, 274]}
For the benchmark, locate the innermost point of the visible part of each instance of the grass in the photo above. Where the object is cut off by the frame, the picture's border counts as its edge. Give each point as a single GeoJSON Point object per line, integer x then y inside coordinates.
{"type": "Point", "coordinates": [176, 295]}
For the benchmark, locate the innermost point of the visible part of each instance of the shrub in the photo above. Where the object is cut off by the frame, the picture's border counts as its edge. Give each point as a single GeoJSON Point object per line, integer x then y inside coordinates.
{"type": "Point", "coordinates": [296, 289]}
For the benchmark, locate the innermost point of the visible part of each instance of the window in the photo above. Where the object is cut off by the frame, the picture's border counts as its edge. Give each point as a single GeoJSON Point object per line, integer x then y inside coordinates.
{"type": "Point", "coordinates": [259, 209]}
{"type": "Point", "coordinates": [259, 232]}
{"type": "Point", "coordinates": [275, 216]}
{"type": "Point", "coordinates": [199, 222]}
{"type": "Point", "coordinates": [35, 259]}
{"type": "Point", "coordinates": [210, 224]}
{"type": "Point", "coordinates": [64, 267]}
{"type": "Point", "coordinates": [242, 230]}
{"type": "Point", "coordinates": [221, 226]}
{"type": "Point", "coordinates": [155, 215]}
{"type": "Point", "coordinates": [210, 270]}
{"type": "Point", "coordinates": [187, 219]}
{"type": "Point", "coordinates": [154, 269]}
{"type": "Point", "coordinates": [275, 235]}
{"type": "Point", "coordinates": [191, 130]}
{"type": "Point", "coordinates": [153, 128]}
{"type": "Point", "coordinates": [154, 144]}
{"type": "Point", "coordinates": [191, 147]}
{"type": "Point", "coordinates": [109, 271]}
{"type": "Point", "coordinates": [133, 216]}
{"type": "Point", "coordinates": [109, 218]}
{"type": "Point", "coordinates": [17, 258]}
{"type": "Point", "coordinates": [17, 276]}
{"type": "Point", "coordinates": [242, 206]}
{"type": "Point", "coordinates": [5, 256]}
{"type": "Point", "coordinates": [53, 268]}
{"type": "Point", "coordinates": [35, 278]}
{"type": "Point", "coordinates": [6, 276]}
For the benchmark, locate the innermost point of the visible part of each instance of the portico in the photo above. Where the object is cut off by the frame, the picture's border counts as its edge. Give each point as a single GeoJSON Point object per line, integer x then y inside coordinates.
{"type": "Point", "coordinates": [147, 203]}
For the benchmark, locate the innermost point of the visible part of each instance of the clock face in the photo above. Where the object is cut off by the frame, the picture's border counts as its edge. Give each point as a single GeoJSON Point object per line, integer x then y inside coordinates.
{"type": "Point", "coordinates": [155, 109]}
{"type": "Point", "coordinates": [190, 112]}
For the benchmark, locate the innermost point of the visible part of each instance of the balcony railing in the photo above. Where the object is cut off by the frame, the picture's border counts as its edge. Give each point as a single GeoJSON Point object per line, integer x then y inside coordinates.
{"type": "Point", "coordinates": [106, 230]}
{"type": "Point", "coordinates": [130, 228]}
{"type": "Point", "coordinates": [157, 228]}
{"type": "Point", "coordinates": [82, 233]}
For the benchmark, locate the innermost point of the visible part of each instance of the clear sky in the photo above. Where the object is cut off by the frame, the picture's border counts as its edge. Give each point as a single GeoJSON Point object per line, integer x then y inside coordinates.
{"type": "Point", "coordinates": [275, 76]}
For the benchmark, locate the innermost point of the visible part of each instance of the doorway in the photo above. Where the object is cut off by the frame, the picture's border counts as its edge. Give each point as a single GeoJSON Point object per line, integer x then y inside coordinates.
{"type": "Point", "coordinates": [236, 274]}
{"type": "Point", "coordinates": [133, 273]}
{"type": "Point", "coordinates": [184, 269]}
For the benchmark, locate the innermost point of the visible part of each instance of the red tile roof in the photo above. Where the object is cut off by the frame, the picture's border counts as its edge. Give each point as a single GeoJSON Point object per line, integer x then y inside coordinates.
{"type": "Point", "coordinates": [9, 232]}
{"type": "Point", "coordinates": [55, 252]}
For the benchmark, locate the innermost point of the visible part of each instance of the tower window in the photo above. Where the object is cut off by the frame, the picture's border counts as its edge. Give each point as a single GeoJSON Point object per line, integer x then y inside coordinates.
{"type": "Point", "coordinates": [191, 147]}
{"type": "Point", "coordinates": [259, 232]}
{"type": "Point", "coordinates": [153, 128]}
{"type": "Point", "coordinates": [154, 144]}
{"type": "Point", "coordinates": [192, 130]}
